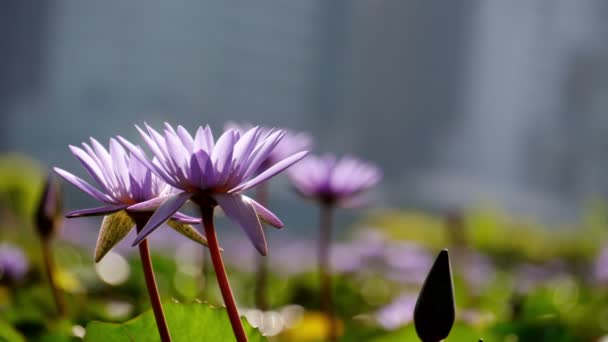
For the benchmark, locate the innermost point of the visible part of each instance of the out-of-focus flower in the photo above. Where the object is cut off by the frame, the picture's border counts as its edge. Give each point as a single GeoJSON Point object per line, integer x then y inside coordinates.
{"type": "Point", "coordinates": [124, 181]}
{"type": "Point", "coordinates": [407, 262]}
{"type": "Point", "coordinates": [600, 269]}
{"type": "Point", "coordinates": [530, 276]}
{"type": "Point", "coordinates": [212, 173]}
{"type": "Point", "coordinates": [292, 142]}
{"type": "Point", "coordinates": [294, 256]}
{"type": "Point", "coordinates": [13, 263]}
{"type": "Point", "coordinates": [48, 214]}
{"type": "Point", "coordinates": [363, 253]}
{"type": "Point", "coordinates": [478, 270]}
{"type": "Point", "coordinates": [336, 181]}
{"type": "Point", "coordinates": [398, 313]}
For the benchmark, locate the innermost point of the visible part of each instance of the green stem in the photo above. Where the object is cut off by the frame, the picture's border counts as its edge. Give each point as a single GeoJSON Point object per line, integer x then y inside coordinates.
{"type": "Point", "coordinates": [148, 269]}
{"type": "Point", "coordinates": [327, 305]}
{"type": "Point", "coordinates": [220, 273]}
{"type": "Point", "coordinates": [261, 275]}
{"type": "Point", "coordinates": [49, 265]}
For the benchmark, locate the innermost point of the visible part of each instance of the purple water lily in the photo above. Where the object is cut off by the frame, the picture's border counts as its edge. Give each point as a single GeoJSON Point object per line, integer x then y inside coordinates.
{"type": "Point", "coordinates": [124, 181]}
{"type": "Point", "coordinates": [332, 180]}
{"type": "Point", "coordinates": [212, 172]}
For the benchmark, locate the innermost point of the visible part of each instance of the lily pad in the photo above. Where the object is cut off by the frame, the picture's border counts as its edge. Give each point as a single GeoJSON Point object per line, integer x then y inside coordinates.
{"type": "Point", "coordinates": [187, 322]}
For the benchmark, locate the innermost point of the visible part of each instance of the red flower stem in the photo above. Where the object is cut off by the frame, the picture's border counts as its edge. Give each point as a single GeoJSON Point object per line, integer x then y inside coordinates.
{"type": "Point", "coordinates": [49, 266]}
{"type": "Point", "coordinates": [157, 308]}
{"type": "Point", "coordinates": [220, 273]}
{"type": "Point", "coordinates": [327, 305]}
{"type": "Point", "coordinates": [261, 275]}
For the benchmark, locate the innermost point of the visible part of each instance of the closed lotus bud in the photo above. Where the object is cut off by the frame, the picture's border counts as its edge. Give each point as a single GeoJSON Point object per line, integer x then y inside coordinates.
{"type": "Point", "coordinates": [434, 312]}
{"type": "Point", "coordinates": [48, 215]}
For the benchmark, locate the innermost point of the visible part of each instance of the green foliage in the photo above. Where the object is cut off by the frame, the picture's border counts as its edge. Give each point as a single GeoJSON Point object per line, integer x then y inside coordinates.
{"type": "Point", "coordinates": [21, 182]}
{"type": "Point", "coordinates": [491, 232]}
{"type": "Point", "coordinates": [9, 334]}
{"type": "Point", "coordinates": [187, 322]}
{"type": "Point", "coordinates": [460, 332]}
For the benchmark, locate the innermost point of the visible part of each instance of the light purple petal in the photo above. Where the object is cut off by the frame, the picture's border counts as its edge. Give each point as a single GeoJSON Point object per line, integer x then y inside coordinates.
{"type": "Point", "coordinates": [241, 211]}
{"type": "Point", "coordinates": [183, 218]}
{"type": "Point", "coordinates": [167, 209]}
{"type": "Point", "coordinates": [179, 155]}
{"type": "Point", "coordinates": [222, 156]}
{"type": "Point", "coordinates": [270, 172]}
{"type": "Point", "coordinates": [119, 163]}
{"type": "Point", "coordinates": [151, 143]}
{"type": "Point", "coordinates": [196, 170]}
{"type": "Point", "coordinates": [138, 153]}
{"type": "Point", "coordinates": [105, 160]}
{"type": "Point", "coordinates": [165, 157]}
{"type": "Point", "coordinates": [90, 165]}
{"type": "Point", "coordinates": [84, 186]}
{"type": "Point", "coordinates": [261, 152]}
{"type": "Point", "coordinates": [186, 138]}
{"type": "Point", "coordinates": [204, 139]}
{"type": "Point", "coordinates": [246, 143]}
{"type": "Point", "coordinates": [95, 211]}
{"type": "Point", "coordinates": [265, 215]}
{"type": "Point", "coordinates": [149, 205]}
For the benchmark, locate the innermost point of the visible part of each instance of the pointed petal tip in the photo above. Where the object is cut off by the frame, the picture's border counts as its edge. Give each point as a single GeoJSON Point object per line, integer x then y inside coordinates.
{"type": "Point", "coordinates": [138, 240]}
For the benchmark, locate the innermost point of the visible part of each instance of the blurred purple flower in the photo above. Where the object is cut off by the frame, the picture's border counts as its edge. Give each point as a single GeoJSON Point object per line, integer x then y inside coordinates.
{"type": "Point", "coordinates": [407, 262]}
{"type": "Point", "coordinates": [478, 269]}
{"type": "Point", "coordinates": [530, 276]}
{"type": "Point", "coordinates": [294, 256]}
{"type": "Point", "coordinates": [212, 172]}
{"type": "Point", "coordinates": [13, 263]}
{"type": "Point", "coordinates": [366, 251]}
{"type": "Point", "coordinates": [398, 313]}
{"type": "Point", "coordinates": [600, 270]}
{"type": "Point", "coordinates": [291, 143]}
{"type": "Point", "coordinates": [336, 181]}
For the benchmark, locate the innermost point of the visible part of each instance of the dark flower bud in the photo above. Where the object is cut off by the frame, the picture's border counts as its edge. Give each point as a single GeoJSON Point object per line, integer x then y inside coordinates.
{"type": "Point", "coordinates": [48, 215]}
{"type": "Point", "coordinates": [434, 312]}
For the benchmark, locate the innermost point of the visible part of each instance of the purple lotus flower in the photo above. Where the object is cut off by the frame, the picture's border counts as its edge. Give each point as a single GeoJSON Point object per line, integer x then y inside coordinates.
{"type": "Point", "coordinates": [13, 263]}
{"type": "Point", "coordinates": [336, 181]}
{"type": "Point", "coordinates": [291, 143]}
{"type": "Point", "coordinates": [124, 181]}
{"type": "Point", "coordinates": [215, 173]}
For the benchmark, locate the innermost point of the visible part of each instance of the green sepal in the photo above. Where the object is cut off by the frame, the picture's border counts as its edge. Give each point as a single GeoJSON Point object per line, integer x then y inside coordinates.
{"type": "Point", "coordinates": [114, 228]}
{"type": "Point", "coordinates": [188, 231]}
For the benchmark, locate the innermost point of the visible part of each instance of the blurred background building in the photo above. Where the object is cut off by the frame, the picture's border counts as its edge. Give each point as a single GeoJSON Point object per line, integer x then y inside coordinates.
{"type": "Point", "coordinates": [460, 102]}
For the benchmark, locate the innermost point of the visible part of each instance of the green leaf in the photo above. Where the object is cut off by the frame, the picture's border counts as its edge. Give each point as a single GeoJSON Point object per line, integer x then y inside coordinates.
{"type": "Point", "coordinates": [188, 231]}
{"type": "Point", "coordinates": [9, 334]}
{"type": "Point", "coordinates": [113, 229]}
{"type": "Point", "coordinates": [187, 322]}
